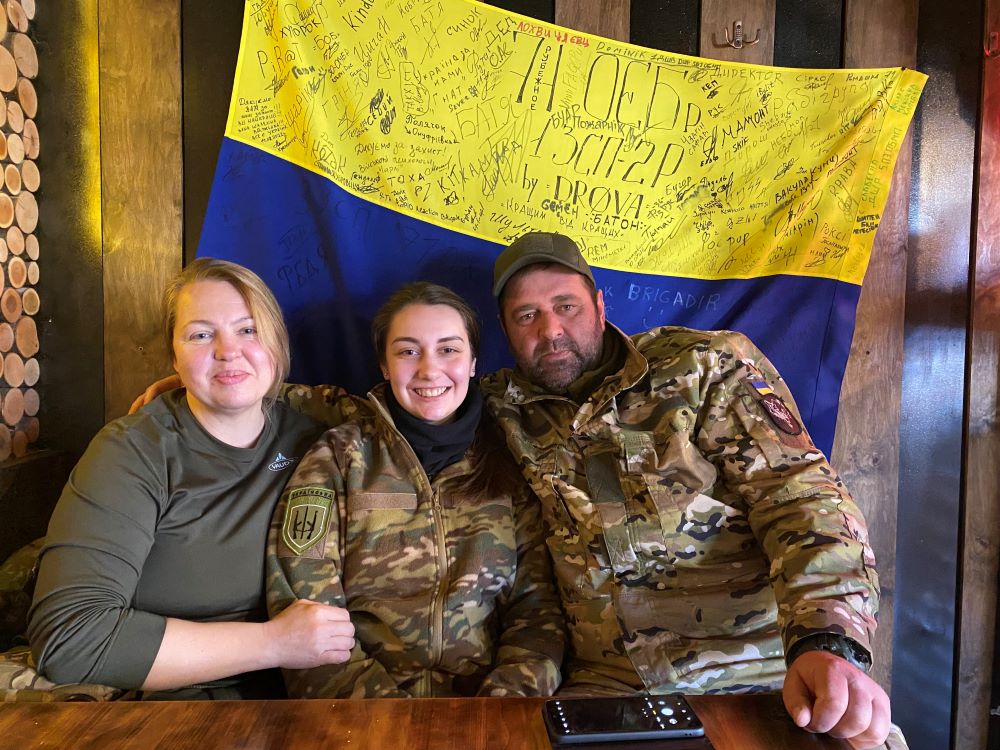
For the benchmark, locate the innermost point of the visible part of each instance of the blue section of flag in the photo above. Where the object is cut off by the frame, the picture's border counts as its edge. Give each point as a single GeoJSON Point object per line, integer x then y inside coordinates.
{"type": "Point", "coordinates": [332, 258]}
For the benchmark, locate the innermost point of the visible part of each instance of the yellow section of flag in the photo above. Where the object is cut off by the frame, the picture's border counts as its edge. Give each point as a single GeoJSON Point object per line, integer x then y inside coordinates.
{"type": "Point", "coordinates": [494, 124]}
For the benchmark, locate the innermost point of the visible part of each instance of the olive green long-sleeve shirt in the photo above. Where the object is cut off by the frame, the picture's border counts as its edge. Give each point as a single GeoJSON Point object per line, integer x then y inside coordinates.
{"type": "Point", "coordinates": [158, 519]}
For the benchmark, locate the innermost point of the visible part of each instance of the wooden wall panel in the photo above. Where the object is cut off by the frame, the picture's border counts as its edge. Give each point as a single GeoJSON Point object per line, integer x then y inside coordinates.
{"type": "Point", "coordinates": [757, 17]}
{"type": "Point", "coordinates": [866, 448]}
{"type": "Point", "coordinates": [609, 18]}
{"type": "Point", "coordinates": [808, 35]}
{"type": "Point", "coordinates": [670, 25]}
{"type": "Point", "coordinates": [141, 187]}
{"type": "Point", "coordinates": [978, 603]}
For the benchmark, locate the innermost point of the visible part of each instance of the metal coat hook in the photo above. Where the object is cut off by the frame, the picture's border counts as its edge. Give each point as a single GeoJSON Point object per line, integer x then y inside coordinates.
{"type": "Point", "coordinates": [737, 42]}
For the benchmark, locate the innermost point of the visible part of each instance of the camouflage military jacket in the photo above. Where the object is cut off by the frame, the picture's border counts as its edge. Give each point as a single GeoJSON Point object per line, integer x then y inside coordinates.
{"type": "Point", "coordinates": [447, 596]}
{"type": "Point", "coordinates": [694, 528]}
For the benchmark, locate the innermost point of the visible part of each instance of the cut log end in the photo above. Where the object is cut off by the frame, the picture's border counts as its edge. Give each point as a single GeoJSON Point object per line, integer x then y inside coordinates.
{"type": "Point", "coordinates": [26, 212]}
{"type": "Point", "coordinates": [17, 272]}
{"type": "Point", "coordinates": [31, 179]}
{"type": "Point", "coordinates": [19, 444]}
{"type": "Point", "coordinates": [25, 55]}
{"type": "Point", "coordinates": [15, 116]}
{"type": "Point", "coordinates": [31, 402]}
{"type": "Point", "coordinates": [10, 306]}
{"type": "Point", "coordinates": [32, 143]}
{"type": "Point", "coordinates": [12, 179]}
{"type": "Point", "coordinates": [32, 371]}
{"type": "Point", "coordinates": [8, 70]}
{"type": "Point", "coordinates": [13, 370]}
{"type": "Point", "coordinates": [30, 300]}
{"type": "Point", "coordinates": [17, 15]}
{"type": "Point", "coordinates": [26, 337]}
{"type": "Point", "coordinates": [28, 97]}
{"type": "Point", "coordinates": [15, 147]}
{"type": "Point", "coordinates": [15, 240]}
{"type": "Point", "coordinates": [13, 406]}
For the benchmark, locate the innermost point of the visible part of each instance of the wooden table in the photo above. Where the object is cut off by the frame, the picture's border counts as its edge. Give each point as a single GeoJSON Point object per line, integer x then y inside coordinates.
{"type": "Point", "coordinates": [747, 722]}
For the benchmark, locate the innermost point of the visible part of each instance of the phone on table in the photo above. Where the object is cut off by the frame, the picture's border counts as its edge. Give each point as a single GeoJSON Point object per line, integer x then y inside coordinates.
{"type": "Point", "coordinates": [630, 718]}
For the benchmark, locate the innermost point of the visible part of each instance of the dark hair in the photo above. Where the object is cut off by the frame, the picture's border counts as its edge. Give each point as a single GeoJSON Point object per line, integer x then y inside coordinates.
{"type": "Point", "coordinates": [422, 293]}
{"type": "Point", "coordinates": [494, 472]}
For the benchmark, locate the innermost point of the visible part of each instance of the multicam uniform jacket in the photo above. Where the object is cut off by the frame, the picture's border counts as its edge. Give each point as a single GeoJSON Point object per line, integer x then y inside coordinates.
{"type": "Point", "coordinates": [448, 596]}
{"type": "Point", "coordinates": [694, 528]}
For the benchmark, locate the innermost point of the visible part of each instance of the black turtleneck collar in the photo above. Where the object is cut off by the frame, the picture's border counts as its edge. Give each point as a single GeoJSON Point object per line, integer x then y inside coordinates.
{"type": "Point", "coordinates": [439, 445]}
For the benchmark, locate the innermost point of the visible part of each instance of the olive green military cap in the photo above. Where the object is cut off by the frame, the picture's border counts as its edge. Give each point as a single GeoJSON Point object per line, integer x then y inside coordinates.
{"type": "Point", "coordinates": [538, 247]}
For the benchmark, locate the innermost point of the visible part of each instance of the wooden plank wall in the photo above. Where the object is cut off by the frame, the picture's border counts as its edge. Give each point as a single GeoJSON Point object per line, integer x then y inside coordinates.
{"type": "Point", "coordinates": [978, 605]}
{"type": "Point", "coordinates": [140, 75]}
{"type": "Point", "coordinates": [610, 18]}
{"type": "Point", "coordinates": [866, 448]}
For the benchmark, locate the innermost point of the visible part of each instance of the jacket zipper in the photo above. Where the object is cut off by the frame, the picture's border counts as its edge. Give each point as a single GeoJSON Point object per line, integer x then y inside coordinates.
{"type": "Point", "coordinates": [437, 518]}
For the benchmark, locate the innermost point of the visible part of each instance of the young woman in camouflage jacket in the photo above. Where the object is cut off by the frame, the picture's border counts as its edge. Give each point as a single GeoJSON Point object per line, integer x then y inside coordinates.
{"type": "Point", "coordinates": [415, 519]}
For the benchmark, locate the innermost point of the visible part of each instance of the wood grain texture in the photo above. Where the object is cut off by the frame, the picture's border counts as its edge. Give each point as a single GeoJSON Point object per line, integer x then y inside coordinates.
{"type": "Point", "coordinates": [608, 18]}
{"type": "Point", "coordinates": [718, 17]}
{"type": "Point", "coordinates": [13, 370]}
{"type": "Point", "coordinates": [27, 96]}
{"type": "Point", "coordinates": [732, 723]}
{"type": "Point", "coordinates": [981, 533]}
{"type": "Point", "coordinates": [141, 177]}
{"type": "Point", "coordinates": [16, 15]}
{"type": "Point", "coordinates": [31, 178]}
{"type": "Point", "coordinates": [866, 447]}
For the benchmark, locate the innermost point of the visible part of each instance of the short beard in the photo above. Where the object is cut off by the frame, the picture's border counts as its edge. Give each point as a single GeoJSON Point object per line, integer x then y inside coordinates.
{"type": "Point", "coordinates": [558, 378]}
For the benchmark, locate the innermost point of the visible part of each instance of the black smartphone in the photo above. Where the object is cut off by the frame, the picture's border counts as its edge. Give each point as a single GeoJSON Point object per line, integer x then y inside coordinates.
{"type": "Point", "coordinates": [640, 717]}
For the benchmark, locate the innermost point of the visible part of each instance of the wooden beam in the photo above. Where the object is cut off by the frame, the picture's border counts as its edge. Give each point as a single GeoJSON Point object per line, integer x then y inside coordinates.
{"type": "Point", "coordinates": [719, 17]}
{"type": "Point", "coordinates": [866, 448]}
{"type": "Point", "coordinates": [141, 178]}
{"type": "Point", "coordinates": [981, 545]}
{"type": "Point", "coordinates": [607, 18]}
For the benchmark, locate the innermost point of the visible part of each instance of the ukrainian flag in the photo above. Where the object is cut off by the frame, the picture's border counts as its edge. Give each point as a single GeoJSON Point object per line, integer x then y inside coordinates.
{"type": "Point", "coordinates": [373, 142]}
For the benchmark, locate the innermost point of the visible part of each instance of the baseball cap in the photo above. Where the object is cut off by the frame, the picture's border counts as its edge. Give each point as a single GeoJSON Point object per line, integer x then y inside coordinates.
{"type": "Point", "coordinates": [538, 247]}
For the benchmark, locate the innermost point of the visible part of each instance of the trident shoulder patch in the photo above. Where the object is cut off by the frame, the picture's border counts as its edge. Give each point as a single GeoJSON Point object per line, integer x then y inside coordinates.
{"type": "Point", "coordinates": [307, 520]}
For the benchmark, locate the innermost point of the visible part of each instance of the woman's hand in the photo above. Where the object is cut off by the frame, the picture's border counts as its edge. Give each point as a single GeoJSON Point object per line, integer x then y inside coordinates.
{"type": "Point", "coordinates": [160, 386]}
{"type": "Point", "coordinates": [309, 634]}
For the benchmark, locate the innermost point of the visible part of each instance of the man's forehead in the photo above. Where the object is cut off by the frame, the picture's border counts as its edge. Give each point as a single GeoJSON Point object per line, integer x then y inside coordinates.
{"type": "Point", "coordinates": [546, 281]}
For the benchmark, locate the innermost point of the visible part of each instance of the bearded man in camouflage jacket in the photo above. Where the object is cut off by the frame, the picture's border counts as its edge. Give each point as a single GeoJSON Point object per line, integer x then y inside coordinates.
{"type": "Point", "coordinates": [701, 542]}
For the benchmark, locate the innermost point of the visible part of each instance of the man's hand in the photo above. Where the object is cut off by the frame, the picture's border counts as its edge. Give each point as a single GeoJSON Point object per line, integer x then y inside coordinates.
{"type": "Point", "coordinates": [824, 693]}
{"type": "Point", "coordinates": [160, 386]}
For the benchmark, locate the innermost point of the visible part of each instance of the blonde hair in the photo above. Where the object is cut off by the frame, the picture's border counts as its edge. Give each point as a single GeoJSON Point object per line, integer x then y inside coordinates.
{"type": "Point", "coordinates": [260, 301]}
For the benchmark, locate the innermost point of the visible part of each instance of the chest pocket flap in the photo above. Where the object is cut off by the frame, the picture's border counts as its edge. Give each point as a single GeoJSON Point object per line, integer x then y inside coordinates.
{"type": "Point", "coordinates": [361, 501]}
